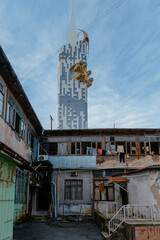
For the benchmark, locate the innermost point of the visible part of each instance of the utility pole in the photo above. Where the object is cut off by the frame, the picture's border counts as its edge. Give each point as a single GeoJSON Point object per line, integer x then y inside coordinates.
{"type": "Point", "coordinates": [51, 118]}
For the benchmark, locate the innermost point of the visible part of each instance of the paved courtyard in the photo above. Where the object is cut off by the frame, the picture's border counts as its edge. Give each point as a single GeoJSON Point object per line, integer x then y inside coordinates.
{"type": "Point", "coordinates": [58, 231]}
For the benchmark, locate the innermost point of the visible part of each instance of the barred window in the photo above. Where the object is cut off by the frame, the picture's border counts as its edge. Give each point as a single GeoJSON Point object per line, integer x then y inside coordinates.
{"type": "Point", "coordinates": [21, 186]}
{"type": "Point", "coordinates": [73, 190]}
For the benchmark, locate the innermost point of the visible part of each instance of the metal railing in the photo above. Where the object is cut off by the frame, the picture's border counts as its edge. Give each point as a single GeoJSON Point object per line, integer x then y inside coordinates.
{"type": "Point", "coordinates": [130, 213]}
{"type": "Point", "coordinates": [107, 208]}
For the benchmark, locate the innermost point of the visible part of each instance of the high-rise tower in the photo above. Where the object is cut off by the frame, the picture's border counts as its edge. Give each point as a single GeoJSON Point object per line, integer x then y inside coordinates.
{"type": "Point", "coordinates": [72, 94]}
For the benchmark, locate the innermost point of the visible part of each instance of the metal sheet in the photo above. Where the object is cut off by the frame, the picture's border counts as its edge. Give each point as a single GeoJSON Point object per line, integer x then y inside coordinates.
{"type": "Point", "coordinates": [7, 190]}
{"type": "Point", "coordinates": [73, 162]}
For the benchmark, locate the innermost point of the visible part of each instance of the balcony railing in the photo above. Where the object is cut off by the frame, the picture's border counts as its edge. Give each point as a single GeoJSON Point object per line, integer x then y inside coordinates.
{"type": "Point", "coordinates": [109, 209]}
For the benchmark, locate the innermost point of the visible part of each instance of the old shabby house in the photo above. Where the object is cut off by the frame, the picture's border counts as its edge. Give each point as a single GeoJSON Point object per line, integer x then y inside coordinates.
{"type": "Point", "coordinates": [19, 129]}
{"type": "Point", "coordinates": [74, 169]}
{"type": "Point", "coordinates": [79, 171]}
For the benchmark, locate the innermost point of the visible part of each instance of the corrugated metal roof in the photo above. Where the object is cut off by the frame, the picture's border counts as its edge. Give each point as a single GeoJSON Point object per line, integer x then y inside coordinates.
{"type": "Point", "coordinates": [73, 162]}
{"type": "Point", "coordinates": [7, 192]}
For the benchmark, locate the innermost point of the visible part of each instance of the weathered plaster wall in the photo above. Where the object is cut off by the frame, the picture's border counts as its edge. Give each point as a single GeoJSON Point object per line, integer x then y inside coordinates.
{"type": "Point", "coordinates": [10, 138]}
{"type": "Point", "coordinates": [132, 161]}
{"type": "Point", "coordinates": [139, 189]}
{"type": "Point", "coordinates": [75, 207]}
{"type": "Point", "coordinates": [143, 189]}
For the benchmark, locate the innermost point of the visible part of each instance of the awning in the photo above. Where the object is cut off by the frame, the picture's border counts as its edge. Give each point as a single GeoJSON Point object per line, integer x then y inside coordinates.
{"type": "Point", "coordinates": [118, 179]}
{"type": "Point", "coordinates": [42, 165]}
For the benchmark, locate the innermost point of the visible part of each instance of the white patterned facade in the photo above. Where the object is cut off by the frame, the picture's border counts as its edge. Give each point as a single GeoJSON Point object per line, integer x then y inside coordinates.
{"type": "Point", "coordinates": [72, 95]}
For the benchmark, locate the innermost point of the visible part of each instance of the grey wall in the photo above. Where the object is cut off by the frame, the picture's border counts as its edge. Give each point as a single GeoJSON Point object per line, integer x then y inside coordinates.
{"type": "Point", "coordinates": [76, 207]}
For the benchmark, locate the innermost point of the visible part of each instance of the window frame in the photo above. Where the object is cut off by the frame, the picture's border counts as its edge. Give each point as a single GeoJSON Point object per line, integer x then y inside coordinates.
{"type": "Point", "coordinates": [107, 187]}
{"type": "Point", "coordinates": [18, 123]}
{"type": "Point", "coordinates": [70, 186]}
{"type": "Point", "coordinates": [2, 109]}
{"type": "Point", "coordinates": [22, 129]}
{"type": "Point", "coordinates": [21, 186]}
{"type": "Point", "coordinates": [11, 115]}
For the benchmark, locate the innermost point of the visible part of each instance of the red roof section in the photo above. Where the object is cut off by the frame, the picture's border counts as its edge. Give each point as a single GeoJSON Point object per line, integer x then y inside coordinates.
{"type": "Point", "coordinates": [118, 179]}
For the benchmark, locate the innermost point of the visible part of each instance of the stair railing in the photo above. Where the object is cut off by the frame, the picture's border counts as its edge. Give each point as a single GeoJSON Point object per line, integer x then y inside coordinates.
{"type": "Point", "coordinates": [130, 213]}
{"type": "Point", "coordinates": [117, 220]}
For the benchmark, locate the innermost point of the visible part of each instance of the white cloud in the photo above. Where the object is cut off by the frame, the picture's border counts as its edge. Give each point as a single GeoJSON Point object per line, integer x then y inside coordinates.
{"type": "Point", "coordinates": [124, 57]}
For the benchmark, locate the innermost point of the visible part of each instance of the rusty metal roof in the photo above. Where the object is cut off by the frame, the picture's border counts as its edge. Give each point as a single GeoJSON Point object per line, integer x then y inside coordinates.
{"type": "Point", "coordinates": [118, 179]}
{"type": "Point", "coordinates": [9, 76]}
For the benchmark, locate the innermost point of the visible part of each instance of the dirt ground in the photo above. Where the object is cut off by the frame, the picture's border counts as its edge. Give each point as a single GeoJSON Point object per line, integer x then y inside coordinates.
{"type": "Point", "coordinates": [57, 230]}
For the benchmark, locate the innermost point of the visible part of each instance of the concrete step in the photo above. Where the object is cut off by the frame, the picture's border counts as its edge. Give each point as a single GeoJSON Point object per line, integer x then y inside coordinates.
{"type": "Point", "coordinates": [117, 224]}
{"type": "Point", "coordinates": [105, 235]}
{"type": "Point", "coordinates": [112, 230]}
{"type": "Point", "coordinates": [40, 218]}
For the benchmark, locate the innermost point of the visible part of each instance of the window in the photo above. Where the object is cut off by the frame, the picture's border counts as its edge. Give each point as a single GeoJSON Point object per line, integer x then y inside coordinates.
{"type": "Point", "coordinates": [108, 147]}
{"type": "Point", "coordinates": [133, 148]}
{"type": "Point", "coordinates": [23, 129]}
{"type": "Point", "coordinates": [103, 191]}
{"type": "Point", "coordinates": [1, 103]}
{"type": "Point", "coordinates": [73, 190]}
{"type": "Point", "coordinates": [142, 147]}
{"type": "Point", "coordinates": [29, 137]}
{"type": "Point", "coordinates": [147, 148]}
{"type": "Point", "coordinates": [53, 147]}
{"type": "Point", "coordinates": [84, 147]}
{"type": "Point", "coordinates": [48, 148]}
{"type": "Point", "coordinates": [32, 142]}
{"type": "Point", "coordinates": [128, 148]}
{"type": "Point", "coordinates": [11, 115]}
{"type": "Point", "coordinates": [93, 144]}
{"type": "Point", "coordinates": [78, 148]}
{"type": "Point", "coordinates": [17, 124]}
{"type": "Point", "coordinates": [21, 186]}
{"type": "Point", "coordinates": [1, 98]}
{"type": "Point", "coordinates": [155, 148]}
{"type": "Point", "coordinates": [73, 148]}
{"type": "Point", "coordinates": [99, 145]}
{"type": "Point", "coordinates": [98, 173]}
{"type": "Point", "coordinates": [112, 147]}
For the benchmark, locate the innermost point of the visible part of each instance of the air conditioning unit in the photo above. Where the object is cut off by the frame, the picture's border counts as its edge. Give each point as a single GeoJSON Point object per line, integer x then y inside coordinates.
{"type": "Point", "coordinates": [74, 174]}
{"type": "Point", "coordinates": [42, 157]}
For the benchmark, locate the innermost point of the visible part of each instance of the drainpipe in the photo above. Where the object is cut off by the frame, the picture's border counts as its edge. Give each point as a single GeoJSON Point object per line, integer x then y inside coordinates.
{"type": "Point", "coordinates": [55, 205]}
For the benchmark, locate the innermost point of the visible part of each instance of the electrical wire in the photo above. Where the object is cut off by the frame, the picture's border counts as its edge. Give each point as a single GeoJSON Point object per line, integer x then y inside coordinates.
{"type": "Point", "coordinates": [102, 16]}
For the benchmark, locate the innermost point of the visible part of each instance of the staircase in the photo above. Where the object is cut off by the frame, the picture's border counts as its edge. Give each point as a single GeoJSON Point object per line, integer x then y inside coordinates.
{"type": "Point", "coordinates": [41, 216]}
{"type": "Point", "coordinates": [130, 213]}
{"type": "Point", "coordinates": [127, 213]}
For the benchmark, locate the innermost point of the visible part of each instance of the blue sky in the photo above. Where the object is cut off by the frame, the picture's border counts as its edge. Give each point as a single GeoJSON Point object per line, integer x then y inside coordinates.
{"type": "Point", "coordinates": [124, 57]}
